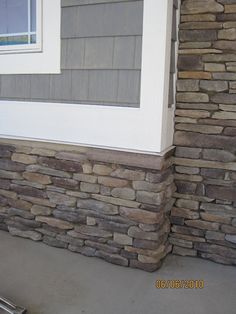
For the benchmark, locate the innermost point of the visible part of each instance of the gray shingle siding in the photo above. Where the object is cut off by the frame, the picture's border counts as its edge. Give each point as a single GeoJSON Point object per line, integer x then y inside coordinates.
{"type": "Point", "coordinates": [100, 57]}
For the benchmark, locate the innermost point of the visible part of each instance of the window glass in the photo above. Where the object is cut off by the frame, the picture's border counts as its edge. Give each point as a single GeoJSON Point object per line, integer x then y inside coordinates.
{"type": "Point", "coordinates": [17, 22]}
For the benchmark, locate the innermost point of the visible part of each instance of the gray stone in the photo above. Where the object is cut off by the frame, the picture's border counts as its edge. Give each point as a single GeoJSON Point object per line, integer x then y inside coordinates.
{"type": "Point", "coordinates": [218, 155]}
{"type": "Point", "coordinates": [87, 251]}
{"type": "Point", "coordinates": [9, 165]}
{"type": "Point", "coordinates": [58, 164]}
{"type": "Point", "coordinates": [47, 171]}
{"type": "Point", "coordinates": [128, 174]}
{"type": "Point", "coordinates": [54, 242]}
{"type": "Point", "coordinates": [33, 235]}
{"type": "Point", "coordinates": [214, 86]}
{"type": "Point", "coordinates": [69, 216]}
{"type": "Point", "coordinates": [61, 199]}
{"type": "Point", "coordinates": [20, 212]}
{"type": "Point", "coordinates": [224, 98]}
{"type": "Point", "coordinates": [124, 193]}
{"type": "Point", "coordinates": [188, 85]}
{"type": "Point", "coordinates": [150, 198]}
{"type": "Point", "coordinates": [190, 63]}
{"type": "Point", "coordinates": [65, 183]}
{"type": "Point", "coordinates": [53, 222]}
{"type": "Point", "coordinates": [137, 233]}
{"type": "Point", "coordinates": [187, 152]}
{"type": "Point", "coordinates": [197, 35]}
{"type": "Point", "coordinates": [192, 97]}
{"type": "Point", "coordinates": [221, 192]}
{"type": "Point", "coordinates": [230, 238]}
{"type": "Point", "coordinates": [85, 178]}
{"type": "Point", "coordinates": [89, 187]}
{"type": "Point", "coordinates": [102, 247]}
{"type": "Point", "coordinates": [183, 251]}
{"type": "Point", "coordinates": [93, 231]}
{"type": "Point", "coordinates": [112, 258]}
{"type": "Point", "coordinates": [101, 207]}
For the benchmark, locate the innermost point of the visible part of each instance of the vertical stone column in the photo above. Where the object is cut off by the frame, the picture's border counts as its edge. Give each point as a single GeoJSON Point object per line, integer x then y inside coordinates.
{"type": "Point", "coordinates": [204, 215]}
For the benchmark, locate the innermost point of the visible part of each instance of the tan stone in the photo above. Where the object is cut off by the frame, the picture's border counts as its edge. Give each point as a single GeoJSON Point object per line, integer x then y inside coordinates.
{"type": "Point", "coordinates": [85, 178]}
{"type": "Point", "coordinates": [214, 67]}
{"type": "Point", "coordinates": [205, 129]}
{"type": "Point", "coordinates": [87, 168]}
{"type": "Point", "coordinates": [201, 25]}
{"type": "Point", "coordinates": [198, 18]}
{"type": "Point", "coordinates": [102, 170]}
{"type": "Point", "coordinates": [43, 152]}
{"type": "Point", "coordinates": [112, 182]}
{"type": "Point", "coordinates": [115, 201]}
{"type": "Point", "coordinates": [38, 210]}
{"type": "Point", "coordinates": [37, 177]}
{"type": "Point", "coordinates": [195, 75]}
{"type": "Point", "coordinates": [91, 221]}
{"type": "Point", "coordinates": [185, 213]}
{"type": "Point", "coordinates": [8, 194]}
{"type": "Point", "coordinates": [202, 224]}
{"type": "Point", "coordinates": [89, 187]}
{"type": "Point", "coordinates": [141, 216]}
{"type": "Point", "coordinates": [24, 159]}
{"type": "Point", "coordinates": [199, 51]}
{"type": "Point", "coordinates": [61, 224]}
{"type": "Point", "coordinates": [122, 239]}
{"type": "Point", "coordinates": [201, 6]}
{"type": "Point", "coordinates": [215, 218]}
{"type": "Point", "coordinates": [192, 113]}
{"type": "Point", "coordinates": [230, 8]}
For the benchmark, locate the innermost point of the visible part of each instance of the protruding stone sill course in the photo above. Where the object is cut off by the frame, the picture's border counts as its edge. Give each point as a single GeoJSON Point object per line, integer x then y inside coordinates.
{"type": "Point", "coordinates": [74, 199]}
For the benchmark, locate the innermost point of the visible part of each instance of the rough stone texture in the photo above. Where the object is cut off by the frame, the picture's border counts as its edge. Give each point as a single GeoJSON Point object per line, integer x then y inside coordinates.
{"type": "Point", "coordinates": [76, 200]}
{"type": "Point", "coordinates": [205, 208]}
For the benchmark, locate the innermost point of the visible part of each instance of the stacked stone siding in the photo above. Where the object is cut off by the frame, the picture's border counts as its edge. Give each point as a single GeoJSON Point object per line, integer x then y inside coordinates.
{"type": "Point", "coordinates": [108, 204]}
{"type": "Point", "coordinates": [204, 215]}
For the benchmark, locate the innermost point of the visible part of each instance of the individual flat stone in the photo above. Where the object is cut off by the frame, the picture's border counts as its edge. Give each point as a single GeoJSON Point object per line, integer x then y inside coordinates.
{"type": "Point", "coordinates": [43, 152]}
{"type": "Point", "coordinates": [214, 67]}
{"type": "Point", "coordinates": [197, 35]}
{"type": "Point", "coordinates": [189, 62]}
{"type": "Point", "coordinates": [124, 193]}
{"type": "Point", "coordinates": [181, 242]}
{"type": "Point", "coordinates": [9, 165]}
{"type": "Point", "coordinates": [192, 113]}
{"type": "Point", "coordinates": [202, 224]}
{"type": "Point", "coordinates": [214, 86]}
{"type": "Point", "coordinates": [150, 197]}
{"type": "Point", "coordinates": [185, 213]}
{"type": "Point", "coordinates": [192, 139]}
{"type": "Point", "coordinates": [101, 246]}
{"type": "Point", "coordinates": [224, 98]}
{"type": "Point", "coordinates": [198, 18]}
{"type": "Point", "coordinates": [54, 242]}
{"type": "Point", "coordinates": [33, 235]}
{"type": "Point", "coordinates": [70, 216]}
{"type": "Point", "coordinates": [98, 206]}
{"type": "Point", "coordinates": [187, 230]}
{"type": "Point", "coordinates": [71, 156]}
{"type": "Point", "coordinates": [231, 238]}
{"type": "Point", "coordinates": [24, 159]}
{"type": "Point", "coordinates": [112, 258]}
{"type": "Point", "coordinates": [188, 85]}
{"type": "Point", "coordinates": [147, 186]}
{"type": "Point", "coordinates": [225, 115]}
{"type": "Point", "coordinates": [116, 201]}
{"type": "Point", "coordinates": [87, 251]}
{"type": "Point", "coordinates": [205, 129]}
{"type": "Point", "coordinates": [218, 155]}
{"type": "Point", "coordinates": [133, 175]}
{"type": "Point", "coordinates": [137, 233]}
{"type": "Point", "coordinates": [183, 251]}
{"type": "Point", "coordinates": [112, 182]}
{"type": "Point", "coordinates": [47, 171]}
{"type": "Point", "coordinates": [181, 203]}
{"type": "Point", "coordinates": [93, 231]}
{"type": "Point", "coordinates": [215, 218]}
{"type": "Point", "coordinates": [20, 212]}
{"type": "Point", "coordinates": [60, 224]}
{"type": "Point", "coordinates": [37, 178]}
{"type": "Point", "coordinates": [89, 187]}
{"type": "Point", "coordinates": [216, 249]}
{"type": "Point", "coordinates": [214, 235]}
{"type": "Point", "coordinates": [201, 6]}
{"type": "Point", "coordinates": [221, 192]}
{"type": "Point", "coordinates": [38, 210]}
{"type": "Point", "coordinates": [229, 34]}
{"type": "Point", "coordinates": [201, 25]}
{"type": "Point", "coordinates": [58, 164]}
{"type": "Point", "coordinates": [187, 170]}
{"type": "Point", "coordinates": [85, 178]}
{"type": "Point", "coordinates": [69, 184]}
{"type": "Point", "coordinates": [225, 45]}
{"type": "Point", "coordinates": [201, 75]}
{"type": "Point", "coordinates": [102, 170]}
{"type": "Point", "coordinates": [61, 199]}
{"type": "Point", "coordinates": [141, 216]}
{"type": "Point", "coordinates": [122, 239]}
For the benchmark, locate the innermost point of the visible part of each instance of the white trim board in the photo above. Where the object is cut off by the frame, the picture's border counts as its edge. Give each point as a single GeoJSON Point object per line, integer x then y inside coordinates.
{"type": "Point", "coordinates": [148, 128]}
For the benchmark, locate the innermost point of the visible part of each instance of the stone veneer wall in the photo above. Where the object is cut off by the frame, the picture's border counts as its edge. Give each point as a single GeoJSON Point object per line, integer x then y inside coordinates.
{"type": "Point", "coordinates": [204, 215]}
{"type": "Point", "coordinates": [108, 204]}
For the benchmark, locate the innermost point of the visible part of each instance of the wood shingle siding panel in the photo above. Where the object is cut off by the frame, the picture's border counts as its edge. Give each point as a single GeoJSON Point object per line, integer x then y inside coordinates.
{"type": "Point", "coordinates": [101, 51]}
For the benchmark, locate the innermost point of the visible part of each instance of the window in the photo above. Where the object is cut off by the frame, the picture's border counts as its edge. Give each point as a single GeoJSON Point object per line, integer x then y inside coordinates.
{"type": "Point", "coordinates": [20, 25]}
{"type": "Point", "coordinates": [30, 36]}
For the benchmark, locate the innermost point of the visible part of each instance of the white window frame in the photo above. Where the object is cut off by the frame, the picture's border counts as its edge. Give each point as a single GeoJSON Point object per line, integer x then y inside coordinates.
{"type": "Point", "coordinates": [28, 47]}
{"type": "Point", "coordinates": [146, 129]}
{"type": "Point", "coordinates": [41, 59]}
